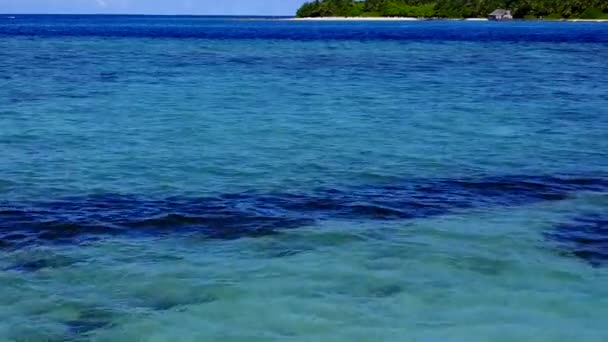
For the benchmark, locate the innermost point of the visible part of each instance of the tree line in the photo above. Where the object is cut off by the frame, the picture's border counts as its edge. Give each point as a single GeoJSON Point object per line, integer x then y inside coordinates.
{"type": "Point", "coordinates": [552, 9]}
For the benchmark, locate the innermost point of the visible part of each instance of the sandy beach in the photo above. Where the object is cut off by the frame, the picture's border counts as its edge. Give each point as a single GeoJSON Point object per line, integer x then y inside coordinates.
{"type": "Point", "coordinates": [588, 20]}
{"type": "Point", "coordinates": [356, 19]}
{"type": "Point", "coordinates": [382, 19]}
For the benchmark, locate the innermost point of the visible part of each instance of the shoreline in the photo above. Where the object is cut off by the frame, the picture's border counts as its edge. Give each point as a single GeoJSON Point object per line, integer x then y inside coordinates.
{"type": "Point", "coordinates": [436, 19]}
{"type": "Point", "coordinates": [356, 19]}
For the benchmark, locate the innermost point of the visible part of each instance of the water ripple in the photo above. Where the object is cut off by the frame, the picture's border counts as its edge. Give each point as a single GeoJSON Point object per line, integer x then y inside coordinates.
{"type": "Point", "coordinates": [181, 28]}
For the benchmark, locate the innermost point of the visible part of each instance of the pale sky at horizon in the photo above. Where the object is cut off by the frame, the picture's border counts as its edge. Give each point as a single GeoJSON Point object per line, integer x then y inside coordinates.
{"type": "Point", "coordinates": [203, 7]}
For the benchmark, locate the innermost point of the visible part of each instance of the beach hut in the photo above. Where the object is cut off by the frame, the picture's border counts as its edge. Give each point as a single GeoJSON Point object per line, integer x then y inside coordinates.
{"type": "Point", "coordinates": [501, 14]}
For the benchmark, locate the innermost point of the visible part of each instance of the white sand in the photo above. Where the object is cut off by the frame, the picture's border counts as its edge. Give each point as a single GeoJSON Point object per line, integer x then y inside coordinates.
{"type": "Point", "coordinates": [357, 19]}
{"type": "Point", "coordinates": [589, 20]}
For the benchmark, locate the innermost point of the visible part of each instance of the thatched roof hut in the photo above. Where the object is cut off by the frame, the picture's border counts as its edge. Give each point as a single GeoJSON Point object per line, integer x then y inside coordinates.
{"type": "Point", "coordinates": [501, 14]}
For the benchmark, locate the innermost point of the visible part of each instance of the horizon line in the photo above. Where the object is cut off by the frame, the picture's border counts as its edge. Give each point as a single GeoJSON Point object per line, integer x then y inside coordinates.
{"type": "Point", "coordinates": [153, 14]}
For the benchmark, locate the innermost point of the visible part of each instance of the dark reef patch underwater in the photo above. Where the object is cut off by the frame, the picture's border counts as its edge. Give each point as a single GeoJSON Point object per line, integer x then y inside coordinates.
{"type": "Point", "coordinates": [585, 237]}
{"type": "Point", "coordinates": [251, 214]}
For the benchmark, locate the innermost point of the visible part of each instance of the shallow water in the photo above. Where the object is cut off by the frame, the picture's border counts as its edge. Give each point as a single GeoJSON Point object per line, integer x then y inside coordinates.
{"type": "Point", "coordinates": [214, 179]}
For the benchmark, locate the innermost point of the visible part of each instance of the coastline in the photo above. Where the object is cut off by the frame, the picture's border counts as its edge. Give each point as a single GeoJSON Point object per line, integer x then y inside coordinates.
{"type": "Point", "coordinates": [433, 19]}
{"type": "Point", "coordinates": [356, 19]}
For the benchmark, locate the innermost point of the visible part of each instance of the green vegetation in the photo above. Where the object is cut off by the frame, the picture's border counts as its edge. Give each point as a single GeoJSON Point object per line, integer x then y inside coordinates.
{"type": "Point", "coordinates": [583, 9]}
{"type": "Point", "coordinates": [593, 13]}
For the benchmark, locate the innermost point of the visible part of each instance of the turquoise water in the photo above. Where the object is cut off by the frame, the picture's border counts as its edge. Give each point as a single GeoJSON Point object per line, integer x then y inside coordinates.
{"type": "Point", "coordinates": [203, 179]}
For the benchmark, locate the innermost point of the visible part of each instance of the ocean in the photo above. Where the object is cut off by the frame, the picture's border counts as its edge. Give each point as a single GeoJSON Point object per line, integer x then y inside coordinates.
{"type": "Point", "coordinates": [259, 179]}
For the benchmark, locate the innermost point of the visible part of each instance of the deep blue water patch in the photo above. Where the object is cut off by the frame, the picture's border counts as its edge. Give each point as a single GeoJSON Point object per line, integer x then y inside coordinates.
{"type": "Point", "coordinates": [585, 237]}
{"type": "Point", "coordinates": [232, 216]}
{"type": "Point", "coordinates": [91, 319]}
{"type": "Point", "coordinates": [236, 28]}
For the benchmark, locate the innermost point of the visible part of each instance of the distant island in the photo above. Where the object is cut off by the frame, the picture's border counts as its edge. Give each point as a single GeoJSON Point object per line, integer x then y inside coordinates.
{"type": "Point", "coordinates": [520, 9]}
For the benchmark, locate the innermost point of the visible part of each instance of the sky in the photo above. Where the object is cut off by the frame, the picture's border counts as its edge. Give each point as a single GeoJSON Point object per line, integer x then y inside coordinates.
{"type": "Point", "coordinates": [204, 7]}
